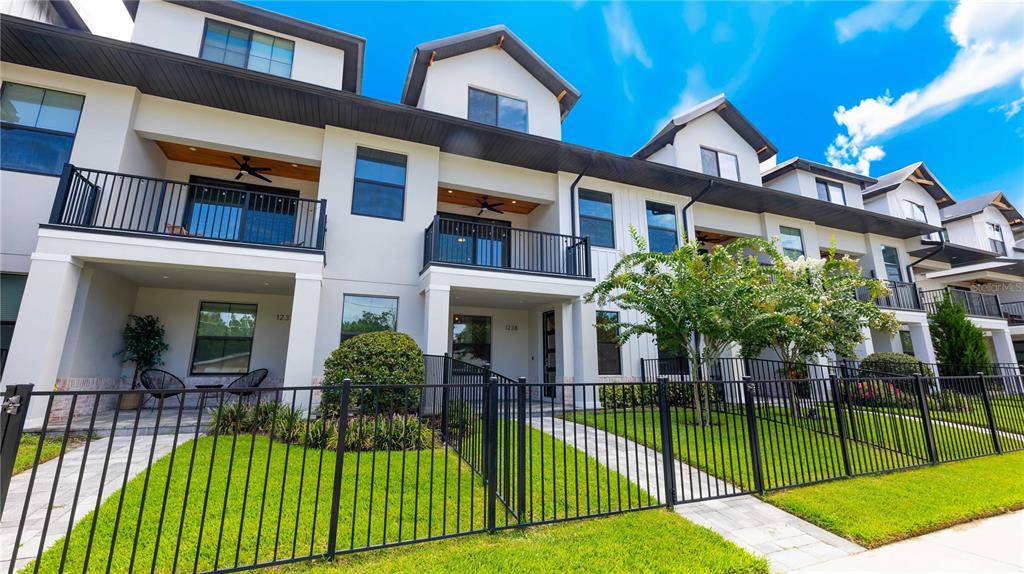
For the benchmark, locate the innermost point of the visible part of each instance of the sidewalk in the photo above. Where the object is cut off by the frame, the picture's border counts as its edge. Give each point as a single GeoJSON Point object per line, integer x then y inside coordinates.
{"type": "Point", "coordinates": [991, 545]}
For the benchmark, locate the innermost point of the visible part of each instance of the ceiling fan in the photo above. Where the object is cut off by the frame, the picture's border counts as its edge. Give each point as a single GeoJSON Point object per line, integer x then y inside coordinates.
{"type": "Point", "coordinates": [245, 168]}
{"type": "Point", "coordinates": [485, 205]}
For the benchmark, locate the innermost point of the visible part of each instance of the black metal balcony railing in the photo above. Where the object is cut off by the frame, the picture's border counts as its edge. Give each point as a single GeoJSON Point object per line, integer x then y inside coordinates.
{"type": "Point", "coordinates": [902, 295]}
{"type": "Point", "coordinates": [975, 304]}
{"type": "Point", "coordinates": [1013, 312]}
{"type": "Point", "coordinates": [458, 242]}
{"type": "Point", "coordinates": [101, 200]}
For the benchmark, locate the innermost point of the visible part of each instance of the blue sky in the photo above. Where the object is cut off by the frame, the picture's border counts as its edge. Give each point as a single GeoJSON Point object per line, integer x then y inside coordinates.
{"type": "Point", "coordinates": [883, 84]}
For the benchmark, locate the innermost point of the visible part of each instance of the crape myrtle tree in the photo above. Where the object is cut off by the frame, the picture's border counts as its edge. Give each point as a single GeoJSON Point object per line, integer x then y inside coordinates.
{"type": "Point", "coordinates": [694, 304]}
{"type": "Point", "coordinates": [818, 311]}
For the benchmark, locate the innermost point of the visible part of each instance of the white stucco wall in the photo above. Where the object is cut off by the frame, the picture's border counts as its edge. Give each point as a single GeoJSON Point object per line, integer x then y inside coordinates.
{"type": "Point", "coordinates": [712, 132]}
{"type": "Point", "coordinates": [447, 83]}
{"type": "Point", "coordinates": [180, 29]}
{"type": "Point", "coordinates": [803, 183]}
{"type": "Point", "coordinates": [102, 305]}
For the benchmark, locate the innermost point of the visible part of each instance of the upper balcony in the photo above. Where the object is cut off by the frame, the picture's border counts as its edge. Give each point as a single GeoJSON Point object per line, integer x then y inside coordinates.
{"type": "Point", "coordinates": [985, 305]}
{"type": "Point", "coordinates": [462, 243]}
{"type": "Point", "coordinates": [1013, 312]}
{"type": "Point", "coordinates": [902, 296]}
{"type": "Point", "coordinates": [108, 202]}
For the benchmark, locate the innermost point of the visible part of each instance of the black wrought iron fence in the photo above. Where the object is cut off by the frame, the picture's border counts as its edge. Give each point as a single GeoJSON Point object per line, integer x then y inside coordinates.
{"type": "Point", "coordinates": [288, 474]}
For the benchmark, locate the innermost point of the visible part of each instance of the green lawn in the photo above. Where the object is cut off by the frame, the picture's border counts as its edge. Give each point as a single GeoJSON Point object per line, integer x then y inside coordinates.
{"type": "Point", "coordinates": [875, 510]}
{"type": "Point", "coordinates": [415, 494]}
{"type": "Point", "coordinates": [648, 541]}
{"type": "Point", "coordinates": [793, 450]}
{"type": "Point", "coordinates": [29, 444]}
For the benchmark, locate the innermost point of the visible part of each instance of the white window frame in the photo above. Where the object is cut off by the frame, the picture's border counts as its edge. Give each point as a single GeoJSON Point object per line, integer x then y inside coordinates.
{"type": "Point", "coordinates": [718, 159]}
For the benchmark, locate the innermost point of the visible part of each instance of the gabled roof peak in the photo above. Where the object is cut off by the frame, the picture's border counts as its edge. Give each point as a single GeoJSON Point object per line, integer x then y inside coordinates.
{"type": "Point", "coordinates": [815, 168]}
{"type": "Point", "coordinates": [500, 36]}
{"type": "Point", "coordinates": [724, 108]}
{"type": "Point", "coordinates": [917, 173]}
{"type": "Point", "coordinates": [974, 205]}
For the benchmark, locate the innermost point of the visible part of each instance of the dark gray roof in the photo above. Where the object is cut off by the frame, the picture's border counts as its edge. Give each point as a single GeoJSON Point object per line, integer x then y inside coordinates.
{"type": "Point", "coordinates": [954, 254]}
{"type": "Point", "coordinates": [353, 46]}
{"type": "Point", "coordinates": [185, 78]}
{"type": "Point", "coordinates": [815, 168]}
{"type": "Point", "coordinates": [727, 111]}
{"type": "Point", "coordinates": [973, 205]}
{"type": "Point", "coordinates": [892, 180]}
{"type": "Point", "coordinates": [428, 52]}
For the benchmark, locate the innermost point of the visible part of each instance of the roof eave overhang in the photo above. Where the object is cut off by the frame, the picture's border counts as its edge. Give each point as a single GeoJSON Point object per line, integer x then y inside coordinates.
{"type": "Point", "coordinates": [175, 76]}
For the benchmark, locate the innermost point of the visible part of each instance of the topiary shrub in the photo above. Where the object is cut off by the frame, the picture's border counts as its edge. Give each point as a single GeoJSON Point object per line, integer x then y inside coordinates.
{"type": "Point", "coordinates": [380, 358]}
{"type": "Point", "coordinates": [898, 364]}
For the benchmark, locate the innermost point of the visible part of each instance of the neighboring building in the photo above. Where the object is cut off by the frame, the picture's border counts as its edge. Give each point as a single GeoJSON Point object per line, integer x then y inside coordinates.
{"type": "Point", "coordinates": [229, 178]}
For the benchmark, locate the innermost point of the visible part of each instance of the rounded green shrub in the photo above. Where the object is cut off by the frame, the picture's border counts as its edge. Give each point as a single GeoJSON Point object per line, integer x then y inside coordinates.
{"type": "Point", "coordinates": [898, 364]}
{"type": "Point", "coordinates": [392, 360]}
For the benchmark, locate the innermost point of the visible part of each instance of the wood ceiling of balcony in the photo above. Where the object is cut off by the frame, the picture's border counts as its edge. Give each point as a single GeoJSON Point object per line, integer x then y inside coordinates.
{"type": "Point", "coordinates": [218, 158]}
{"type": "Point", "coordinates": [472, 199]}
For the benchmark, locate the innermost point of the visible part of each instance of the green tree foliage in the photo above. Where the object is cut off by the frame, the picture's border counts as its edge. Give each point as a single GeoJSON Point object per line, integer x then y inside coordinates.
{"type": "Point", "coordinates": [894, 364]}
{"type": "Point", "coordinates": [380, 358]}
{"type": "Point", "coordinates": [370, 322]}
{"type": "Point", "coordinates": [958, 342]}
{"type": "Point", "coordinates": [142, 343]}
{"type": "Point", "coordinates": [694, 303]}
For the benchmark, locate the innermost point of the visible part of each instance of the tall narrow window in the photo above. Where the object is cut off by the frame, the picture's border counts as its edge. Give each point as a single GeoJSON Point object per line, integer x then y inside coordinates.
{"type": "Point", "coordinates": [907, 343]}
{"type": "Point", "coordinates": [379, 188]}
{"type": "Point", "coordinates": [891, 257]}
{"type": "Point", "coordinates": [661, 227]}
{"type": "Point", "coordinates": [596, 220]}
{"type": "Point", "coordinates": [224, 336]}
{"type": "Point", "coordinates": [830, 191]}
{"type": "Point", "coordinates": [37, 128]}
{"type": "Point", "coordinates": [244, 48]}
{"type": "Point", "coordinates": [497, 110]}
{"type": "Point", "coordinates": [609, 358]}
{"type": "Point", "coordinates": [367, 314]}
{"type": "Point", "coordinates": [792, 241]}
{"type": "Point", "coordinates": [995, 238]}
{"type": "Point", "coordinates": [719, 163]}
{"type": "Point", "coordinates": [471, 339]}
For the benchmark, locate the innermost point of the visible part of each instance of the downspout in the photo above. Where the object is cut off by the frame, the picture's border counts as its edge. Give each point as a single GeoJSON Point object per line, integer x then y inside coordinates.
{"type": "Point", "coordinates": [686, 220]}
{"type": "Point", "coordinates": [927, 256]}
{"type": "Point", "coordinates": [572, 194]}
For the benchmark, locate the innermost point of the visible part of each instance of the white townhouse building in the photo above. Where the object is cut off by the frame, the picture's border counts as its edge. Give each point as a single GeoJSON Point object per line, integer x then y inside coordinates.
{"type": "Point", "coordinates": [220, 170]}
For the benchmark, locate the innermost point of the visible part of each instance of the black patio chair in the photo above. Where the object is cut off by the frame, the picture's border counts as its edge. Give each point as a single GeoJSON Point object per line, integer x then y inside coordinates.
{"type": "Point", "coordinates": [247, 384]}
{"type": "Point", "coordinates": [161, 385]}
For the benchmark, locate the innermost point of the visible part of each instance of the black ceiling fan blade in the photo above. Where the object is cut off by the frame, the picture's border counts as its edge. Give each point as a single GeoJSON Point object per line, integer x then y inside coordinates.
{"type": "Point", "coordinates": [240, 174]}
{"type": "Point", "coordinates": [266, 179]}
{"type": "Point", "coordinates": [493, 205]}
{"type": "Point", "coordinates": [481, 212]}
{"type": "Point", "coordinates": [498, 210]}
{"type": "Point", "coordinates": [235, 159]}
{"type": "Point", "coordinates": [260, 168]}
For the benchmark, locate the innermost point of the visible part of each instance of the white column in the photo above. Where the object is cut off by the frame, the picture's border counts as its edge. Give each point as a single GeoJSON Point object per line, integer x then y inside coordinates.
{"type": "Point", "coordinates": [298, 365]}
{"type": "Point", "coordinates": [584, 335]}
{"type": "Point", "coordinates": [867, 346]}
{"type": "Point", "coordinates": [436, 317]}
{"type": "Point", "coordinates": [921, 337]}
{"type": "Point", "coordinates": [1003, 344]}
{"type": "Point", "coordinates": [42, 326]}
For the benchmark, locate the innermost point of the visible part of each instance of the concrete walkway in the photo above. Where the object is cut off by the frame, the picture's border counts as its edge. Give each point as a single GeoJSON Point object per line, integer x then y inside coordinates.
{"type": "Point", "coordinates": [63, 489]}
{"type": "Point", "coordinates": [990, 545]}
{"type": "Point", "coordinates": [789, 542]}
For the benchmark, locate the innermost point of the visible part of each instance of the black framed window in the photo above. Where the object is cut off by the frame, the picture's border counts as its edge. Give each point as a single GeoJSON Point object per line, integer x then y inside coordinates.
{"type": "Point", "coordinates": [471, 339]}
{"type": "Point", "coordinates": [497, 110]}
{"type": "Point", "coordinates": [719, 163]}
{"type": "Point", "coordinates": [243, 48]}
{"type": "Point", "coordinates": [891, 257]}
{"type": "Point", "coordinates": [214, 210]}
{"type": "Point", "coordinates": [995, 238]}
{"type": "Point", "coordinates": [914, 211]}
{"type": "Point", "coordinates": [792, 241]}
{"type": "Point", "coordinates": [830, 191]}
{"type": "Point", "coordinates": [596, 219]}
{"type": "Point", "coordinates": [379, 187]}
{"type": "Point", "coordinates": [224, 334]}
{"type": "Point", "coordinates": [907, 342]}
{"type": "Point", "coordinates": [661, 227]}
{"type": "Point", "coordinates": [37, 128]}
{"type": "Point", "coordinates": [368, 314]}
{"type": "Point", "coordinates": [609, 356]}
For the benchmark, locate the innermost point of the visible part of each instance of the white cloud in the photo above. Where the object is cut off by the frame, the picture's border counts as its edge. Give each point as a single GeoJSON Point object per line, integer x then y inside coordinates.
{"type": "Point", "coordinates": [722, 33]}
{"type": "Point", "coordinates": [695, 91]}
{"type": "Point", "coordinates": [991, 55]}
{"type": "Point", "coordinates": [694, 15]}
{"type": "Point", "coordinates": [879, 17]}
{"type": "Point", "coordinates": [622, 35]}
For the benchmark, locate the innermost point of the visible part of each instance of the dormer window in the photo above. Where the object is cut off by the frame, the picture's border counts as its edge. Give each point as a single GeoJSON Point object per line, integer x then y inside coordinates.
{"type": "Point", "coordinates": [244, 48]}
{"type": "Point", "coordinates": [830, 191]}
{"type": "Point", "coordinates": [720, 164]}
{"type": "Point", "coordinates": [497, 110]}
{"type": "Point", "coordinates": [914, 211]}
{"type": "Point", "coordinates": [995, 238]}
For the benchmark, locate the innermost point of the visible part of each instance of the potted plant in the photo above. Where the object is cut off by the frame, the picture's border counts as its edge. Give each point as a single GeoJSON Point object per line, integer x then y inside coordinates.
{"type": "Point", "coordinates": [143, 340]}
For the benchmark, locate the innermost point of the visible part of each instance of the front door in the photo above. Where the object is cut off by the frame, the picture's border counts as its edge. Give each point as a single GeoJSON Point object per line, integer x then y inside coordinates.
{"type": "Point", "coordinates": [549, 353]}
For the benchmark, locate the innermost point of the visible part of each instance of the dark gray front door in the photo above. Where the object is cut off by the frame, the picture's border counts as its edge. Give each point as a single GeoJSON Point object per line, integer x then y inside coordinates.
{"type": "Point", "coordinates": [550, 351]}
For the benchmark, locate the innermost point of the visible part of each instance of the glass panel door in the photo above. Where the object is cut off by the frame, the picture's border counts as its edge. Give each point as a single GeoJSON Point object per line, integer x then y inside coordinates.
{"type": "Point", "coordinates": [550, 352]}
